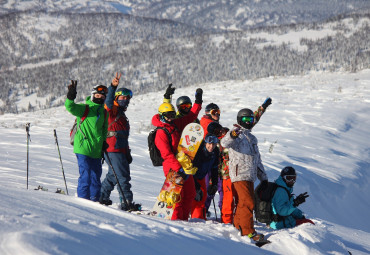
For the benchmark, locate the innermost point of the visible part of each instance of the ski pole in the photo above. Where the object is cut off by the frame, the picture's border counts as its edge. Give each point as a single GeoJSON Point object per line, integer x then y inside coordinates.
{"type": "Point", "coordinates": [115, 175]}
{"type": "Point", "coordinates": [60, 158]}
{"type": "Point", "coordinates": [28, 140]}
{"type": "Point", "coordinates": [214, 206]}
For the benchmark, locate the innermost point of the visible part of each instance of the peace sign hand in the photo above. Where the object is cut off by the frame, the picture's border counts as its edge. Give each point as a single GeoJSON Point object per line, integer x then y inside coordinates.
{"type": "Point", "coordinates": [115, 80]}
{"type": "Point", "coordinates": [72, 90]}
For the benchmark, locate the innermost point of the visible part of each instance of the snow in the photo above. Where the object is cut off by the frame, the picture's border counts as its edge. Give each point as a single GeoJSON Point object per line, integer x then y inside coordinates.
{"type": "Point", "coordinates": [317, 123]}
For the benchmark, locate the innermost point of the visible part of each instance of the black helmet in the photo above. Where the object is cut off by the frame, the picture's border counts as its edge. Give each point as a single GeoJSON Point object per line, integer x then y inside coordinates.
{"type": "Point", "coordinates": [289, 175]}
{"type": "Point", "coordinates": [211, 106]}
{"type": "Point", "coordinates": [214, 128]}
{"type": "Point", "coordinates": [245, 118]}
{"type": "Point", "coordinates": [184, 101]}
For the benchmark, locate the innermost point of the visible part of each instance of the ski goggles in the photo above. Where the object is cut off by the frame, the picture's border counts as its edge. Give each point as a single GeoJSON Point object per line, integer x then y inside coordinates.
{"type": "Point", "coordinates": [170, 115]}
{"type": "Point", "coordinates": [247, 119]}
{"type": "Point", "coordinates": [290, 178]}
{"type": "Point", "coordinates": [184, 106]}
{"type": "Point", "coordinates": [211, 139]}
{"type": "Point", "coordinates": [124, 92]}
{"type": "Point", "coordinates": [100, 89]}
{"type": "Point", "coordinates": [215, 112]}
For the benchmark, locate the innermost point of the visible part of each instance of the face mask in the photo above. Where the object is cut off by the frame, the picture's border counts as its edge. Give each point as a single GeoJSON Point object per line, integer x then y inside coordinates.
{"type": "Point", "coordinates": [98, 100]}
{"type": "Point", "coordinates": [123, 103]}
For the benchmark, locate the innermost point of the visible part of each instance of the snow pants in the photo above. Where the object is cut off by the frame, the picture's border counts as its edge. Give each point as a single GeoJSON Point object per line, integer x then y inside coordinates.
{"type": "Point", "coordinates": [220, 193]}
{"type": "Point", "coordinates": [198, 209]}
{"type": "Point", "coordinates": [228, 204]}
{"type": "Point", "coordinates": [183, 208]}
{"type": "Point", "coordinates": [122, 169]}
{"type": "Point", "coordinates": [89, 185]}
{"type": "Point", "coordinates": [244, 194]}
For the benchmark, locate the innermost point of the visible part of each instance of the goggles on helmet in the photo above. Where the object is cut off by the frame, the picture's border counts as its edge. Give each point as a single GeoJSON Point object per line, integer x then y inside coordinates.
{"type": "Point", "coordinates": [211, 139]}
{"type": "Point", "coordinates": [185, 106]}
{"type": "Point", "coordinates": [124, 92]}
{"type": "Point", "coordinates": [290, 178]}
{"type": "Point", "coordinates": [215, 111]}
{"type": "Point", "coordinates": [247, 119]}
{"type": "Point", "coordinates": [101, 89]}
{"type": "Point", "coordinates": [170, 115]}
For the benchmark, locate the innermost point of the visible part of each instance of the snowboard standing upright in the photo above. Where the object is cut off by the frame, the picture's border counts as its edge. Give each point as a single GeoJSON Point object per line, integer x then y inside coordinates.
{"type": "Point", "coordinates": [190, 141]}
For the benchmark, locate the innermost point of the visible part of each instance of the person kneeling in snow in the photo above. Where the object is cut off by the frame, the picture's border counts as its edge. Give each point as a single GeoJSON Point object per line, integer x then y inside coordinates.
{"type": "Point", "coordinates": [283, 203]}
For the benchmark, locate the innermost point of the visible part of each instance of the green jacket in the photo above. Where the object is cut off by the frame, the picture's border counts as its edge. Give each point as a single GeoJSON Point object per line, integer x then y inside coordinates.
{"type": "Point", "coordinates": [94, 127]}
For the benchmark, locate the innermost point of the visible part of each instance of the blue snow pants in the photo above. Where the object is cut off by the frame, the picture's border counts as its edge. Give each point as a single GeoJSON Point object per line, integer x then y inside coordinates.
{"type": "Point", "coordinates": [89, 184]}
{"type": "Point", "coordinates": [122, 169]}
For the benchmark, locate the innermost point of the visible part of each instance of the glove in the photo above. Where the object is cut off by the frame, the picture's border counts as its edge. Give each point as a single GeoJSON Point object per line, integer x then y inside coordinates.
{"type": "Point", "coordinates": [72, 90]}
{"type": "Point", "coordinates": [198, 195]}
{"type": "Point", "coordinates": [235, 132]}
{"type": "Point", "coordinates": [183, 174]}
{"type": "Point", "coordinates": [128, 156]}
{"type": "Point", "coordinates": [212, 189]}
{"type": "Point", "coordinates": [264, 185]}
{"type": "Point", "coordinates": [198, 96]}
{"type": "Point", "coordinates": [300, 199]}
{"type": "Point", "coordinates": [267, 102]}
{"type": "Point", "coordinates": [169, 91]}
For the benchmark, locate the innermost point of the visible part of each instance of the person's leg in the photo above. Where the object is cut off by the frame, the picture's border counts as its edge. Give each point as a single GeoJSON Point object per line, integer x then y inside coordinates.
{"type": "Point", "coordinates": [228, 203]}
{"type": "Point", "coordinates": [198, 207]}
{"type": "Point", "coordinates": [83, 186]}
{"type": "Point", "coordinates": [245, 206]}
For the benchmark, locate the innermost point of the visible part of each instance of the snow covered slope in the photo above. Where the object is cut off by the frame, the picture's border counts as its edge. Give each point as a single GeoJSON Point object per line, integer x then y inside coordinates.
{"type": "Point", "coordinates": [317, 123]}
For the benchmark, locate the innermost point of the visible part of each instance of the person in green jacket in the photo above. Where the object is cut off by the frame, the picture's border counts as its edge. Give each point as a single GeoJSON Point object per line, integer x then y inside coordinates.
{"type": "Point", "coordinates": [89, 140]}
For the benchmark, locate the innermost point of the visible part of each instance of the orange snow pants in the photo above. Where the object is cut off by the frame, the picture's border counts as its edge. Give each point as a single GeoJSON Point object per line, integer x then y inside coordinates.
{"type": "Point", "coordinates": [243, 219]}
{"type": "Point", "coordinates": [227, 202]}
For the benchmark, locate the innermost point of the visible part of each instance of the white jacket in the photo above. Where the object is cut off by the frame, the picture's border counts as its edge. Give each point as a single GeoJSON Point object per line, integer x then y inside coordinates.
{"type": "Point", "coordinates": [244, 157]}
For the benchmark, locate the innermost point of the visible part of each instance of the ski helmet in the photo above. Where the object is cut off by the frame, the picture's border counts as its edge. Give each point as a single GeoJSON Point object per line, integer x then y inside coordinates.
{"type": "Point", "coordinates": [289, 175]}
{"type": "Point", "coordinates": [245, 118]}
{"type": "Point", "coordinates": [183, 104]}
{"type": "Point", "coordinates": [123, 92]}
{"type": "Point", "coordinates": [166, 107]}
{"type": "Point", "coordinates": [99, 89]}
{"type": "Point", "coordinates": [214, 128]}
{"type": "Point", "coordinates": [211, 106]}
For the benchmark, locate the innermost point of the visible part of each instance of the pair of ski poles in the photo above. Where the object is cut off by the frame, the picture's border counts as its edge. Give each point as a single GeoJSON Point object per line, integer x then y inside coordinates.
{"type": "Point", "coordinates": [28, 125]}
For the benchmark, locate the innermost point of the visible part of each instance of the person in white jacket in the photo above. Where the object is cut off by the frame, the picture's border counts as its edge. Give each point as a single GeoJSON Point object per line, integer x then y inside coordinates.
{"type": "Point", "coordinates": [245, 166]}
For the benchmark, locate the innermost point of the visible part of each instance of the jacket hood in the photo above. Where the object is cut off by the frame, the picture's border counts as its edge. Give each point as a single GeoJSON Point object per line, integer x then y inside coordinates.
{"type": "Point", "coordinates": [280, 181]}
{"type": "Point", "coordinates": [156, 121]}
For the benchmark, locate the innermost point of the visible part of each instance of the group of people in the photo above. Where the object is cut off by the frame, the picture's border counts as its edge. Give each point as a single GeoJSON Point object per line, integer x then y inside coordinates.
{"type": "Point", "coordinates": [228, 160]}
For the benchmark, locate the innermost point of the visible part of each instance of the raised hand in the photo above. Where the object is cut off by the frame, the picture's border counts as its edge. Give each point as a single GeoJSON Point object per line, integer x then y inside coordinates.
{"type": "Point", "coordinates": [115, 80]}
{"type": "Point", "coordinates": [198, 96]}
{"type": "Point", "coordinates": [267, 102]}
{"type": "Point", "coordinates": [300, 199]}
{"type": "Point", "coordinates": [169, 91]}
{"type": "Point", "coordinates": [72, 90]}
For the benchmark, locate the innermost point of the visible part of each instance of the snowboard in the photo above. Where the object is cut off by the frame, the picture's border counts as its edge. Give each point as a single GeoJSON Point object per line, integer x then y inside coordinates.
{"type": "Point", "coordinates": [169, 195]}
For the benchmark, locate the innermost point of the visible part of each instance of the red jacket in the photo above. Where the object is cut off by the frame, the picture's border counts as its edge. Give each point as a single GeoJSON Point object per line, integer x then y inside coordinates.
{"type": "Point", "coordinates": [175, 128]}
{"type": "Point", "coordinates": [204, 122]}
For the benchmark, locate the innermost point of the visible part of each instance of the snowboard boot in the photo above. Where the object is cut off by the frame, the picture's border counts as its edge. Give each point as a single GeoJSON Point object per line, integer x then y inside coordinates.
{"type": "Point", "coordinates": [130, 206]}
{"type": "Point", "coordinates": [256, 237]}
{"type": "Point", "coordinates": [105, 201]}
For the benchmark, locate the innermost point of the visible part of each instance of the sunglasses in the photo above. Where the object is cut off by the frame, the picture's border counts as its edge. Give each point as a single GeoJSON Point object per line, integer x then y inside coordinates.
{"type": "Point", "coordinates": [211, 139]}
{"type": "Point", "coordinates": [101, 89]}
{"type": "Point", "coordinates": [247, 119]}
{"type": "Point", "coordinates": [290, 178]}
{"type": "Point", "coordinates": [125, 92]}
{"type": "Point", "coordinates": [170, 115]}
{"type": "Point", "coordinates": [184, 106]}
{"type": "Point", "coordinates": [215, 112]}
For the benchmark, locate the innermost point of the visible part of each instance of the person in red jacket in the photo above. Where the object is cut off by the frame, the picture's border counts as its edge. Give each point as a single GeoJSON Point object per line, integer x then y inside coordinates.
{"type": "Point", "coordinates": [212, 115]}
{"type": "Point", "coordinates": [166, 118]}
{"type": "Point", "coordinates": [118, 150]}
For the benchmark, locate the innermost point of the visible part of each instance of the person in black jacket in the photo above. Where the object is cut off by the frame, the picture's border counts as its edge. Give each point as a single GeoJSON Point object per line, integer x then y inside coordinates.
{"type": "Point", "coordinates": [206, 161]}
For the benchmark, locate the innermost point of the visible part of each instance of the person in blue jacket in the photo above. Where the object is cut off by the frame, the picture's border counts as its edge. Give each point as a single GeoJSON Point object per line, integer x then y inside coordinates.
{"type": "Point", "coordinates": [206, 160]}
{"type": "Point", "coordinates": [284, 205]}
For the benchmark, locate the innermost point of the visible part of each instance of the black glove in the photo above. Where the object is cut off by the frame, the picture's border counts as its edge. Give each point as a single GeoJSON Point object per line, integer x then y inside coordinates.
{"type": "Point", "coordinates": [235, 132]}
{"type": "Point", "coordinates": [198, 195]}
{"type": "Point", "coordinates": [198, 96]}
{"type": "Point", "coordinates": [300, 199]}
{"type": "Point", "coordinates": [72, 90]}
{"type": "Point", "coordinates": [169, 91]}
{"type": "Point", "coordinates": [212, 189]}
{"type": "Point", "coordinates": [264, 185]}
{"type": "Point", "coordinates": [182, 173]}
{"type": "Point", "coordinates": [128, 156]}
{"type": "Point", "coordinates": [267, 102]}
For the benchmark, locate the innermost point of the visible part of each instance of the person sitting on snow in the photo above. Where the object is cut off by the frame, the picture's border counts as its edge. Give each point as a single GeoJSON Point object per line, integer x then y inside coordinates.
{"type": "Point", "coordinates": [284, 205]}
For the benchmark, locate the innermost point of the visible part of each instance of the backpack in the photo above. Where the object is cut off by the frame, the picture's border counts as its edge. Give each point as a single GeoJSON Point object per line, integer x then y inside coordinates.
{"type": "Point", "coordinates": [76, 126]}
{"type": "Point", "coordinates": [155, 154]}
{"type": "Point", "coordinates": [262, 203]}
